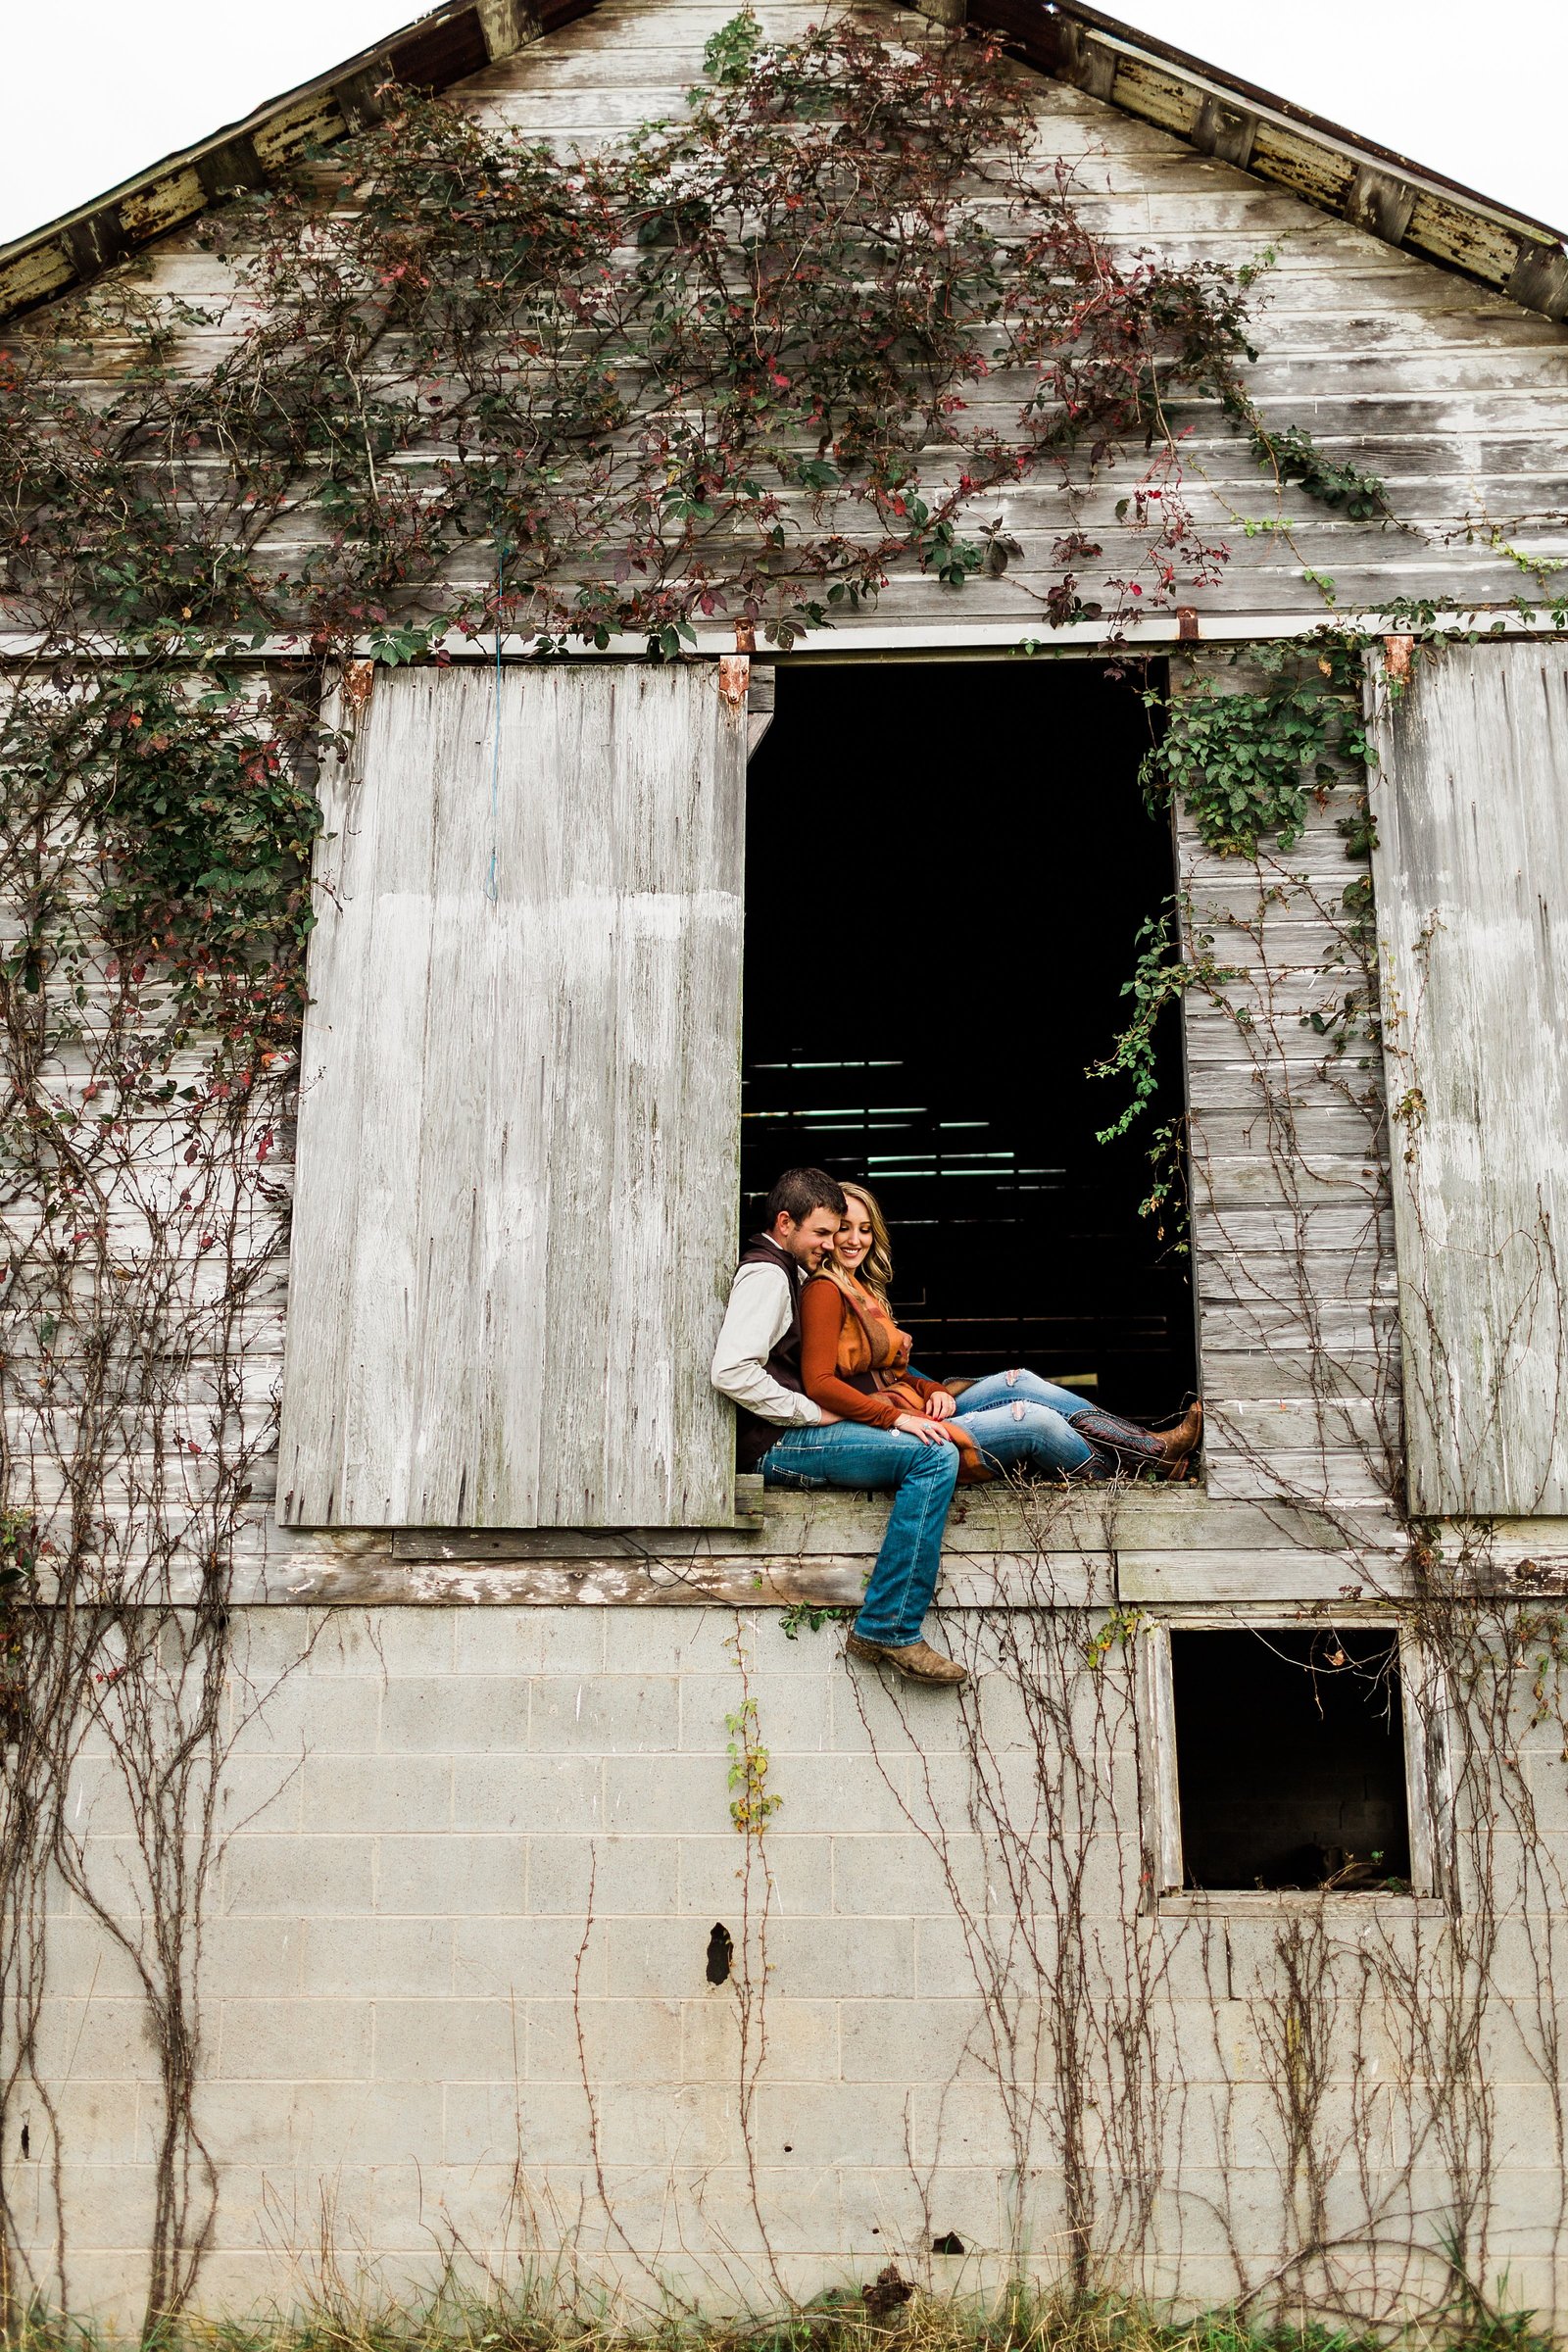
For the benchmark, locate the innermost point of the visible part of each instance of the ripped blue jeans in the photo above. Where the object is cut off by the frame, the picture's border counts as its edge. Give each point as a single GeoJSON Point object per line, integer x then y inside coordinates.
{"type": "Point", "coordinates": [1019, 1422]}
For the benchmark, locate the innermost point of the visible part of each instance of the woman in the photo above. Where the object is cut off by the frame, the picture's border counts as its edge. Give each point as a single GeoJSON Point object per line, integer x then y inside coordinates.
{"type": "Point", "coordinates": [854, 1361]}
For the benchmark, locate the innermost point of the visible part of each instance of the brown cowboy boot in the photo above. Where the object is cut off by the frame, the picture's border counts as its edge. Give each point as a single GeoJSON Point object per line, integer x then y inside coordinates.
{"type": "Point", "coordinates": [1165, 1453]}
{"type": "Point", "coordinates": [916, 1661]}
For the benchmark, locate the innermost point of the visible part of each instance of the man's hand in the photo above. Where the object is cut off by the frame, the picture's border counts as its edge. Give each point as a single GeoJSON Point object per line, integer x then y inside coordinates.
{"type": "Point", "coordinates": [823, 1416]}
{"type": "Point", "coordinates": [940, 1407]}
{"type": "Point", "coordinates": [929, 1433]}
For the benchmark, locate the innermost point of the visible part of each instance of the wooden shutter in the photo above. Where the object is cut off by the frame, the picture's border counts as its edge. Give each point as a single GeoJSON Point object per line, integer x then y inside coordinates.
{"type": "Point", "coordinates": [519, 1106]}
{"type": "Point", "coordinates": [1470, 800]}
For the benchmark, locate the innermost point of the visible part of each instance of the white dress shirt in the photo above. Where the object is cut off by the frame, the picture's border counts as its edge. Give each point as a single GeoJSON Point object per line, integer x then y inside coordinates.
{"type": "Point", "coordinates": [759, 1312]}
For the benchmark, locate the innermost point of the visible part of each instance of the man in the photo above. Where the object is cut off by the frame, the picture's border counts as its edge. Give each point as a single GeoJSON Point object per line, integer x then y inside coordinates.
{"type": "Point", "coordinates": [794, 1442]}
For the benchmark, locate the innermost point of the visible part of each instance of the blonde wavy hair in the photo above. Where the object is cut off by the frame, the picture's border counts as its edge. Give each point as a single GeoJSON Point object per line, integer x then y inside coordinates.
{"type": "Point", "coordinates": [875, 1271]}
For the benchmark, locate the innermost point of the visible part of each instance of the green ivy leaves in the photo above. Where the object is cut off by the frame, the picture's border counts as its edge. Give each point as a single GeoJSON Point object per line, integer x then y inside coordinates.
{"type": "Point", "coordinates": [1246, 766]}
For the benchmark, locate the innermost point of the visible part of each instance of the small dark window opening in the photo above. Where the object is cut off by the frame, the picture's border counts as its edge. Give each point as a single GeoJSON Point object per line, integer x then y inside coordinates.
{"type": "Point", "coordinates": [948, 869]}
{"type": "Point", "coordinates": [1290, 1760]}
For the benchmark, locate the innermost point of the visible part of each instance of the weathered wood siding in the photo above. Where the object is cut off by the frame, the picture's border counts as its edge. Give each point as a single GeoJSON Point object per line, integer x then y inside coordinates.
{"type": "Point", "coordinates": [519, 1106]}
{"type": "Point", "coordinates": [1471, 803]}
{"type": "Point", "coordinates": [1292, 1261]}
{"type": "Point", "coordinates": [1459, 399]}
{"type": "Point", "coordinates": [1452, 394]}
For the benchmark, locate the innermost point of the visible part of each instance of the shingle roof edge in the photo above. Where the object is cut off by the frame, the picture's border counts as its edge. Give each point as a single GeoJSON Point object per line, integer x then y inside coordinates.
{"type": "Point", "coordinates": [434, 52]}
{"type": "Point", "coordinates": [1374, 188]}
{"type": "Point", "coordinates": [1377, 190]}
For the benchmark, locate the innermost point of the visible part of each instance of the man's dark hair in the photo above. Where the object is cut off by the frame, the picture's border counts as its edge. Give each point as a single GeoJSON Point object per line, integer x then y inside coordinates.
{"type": "Point", "coordinates": [797, 1192]}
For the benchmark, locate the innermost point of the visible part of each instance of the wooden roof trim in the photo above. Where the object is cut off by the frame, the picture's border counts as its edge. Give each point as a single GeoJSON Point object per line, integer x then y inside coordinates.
{"type": "Point", "coordinates": [1376, 189]}
{"type": "Point", "coordinates": [432, 53]}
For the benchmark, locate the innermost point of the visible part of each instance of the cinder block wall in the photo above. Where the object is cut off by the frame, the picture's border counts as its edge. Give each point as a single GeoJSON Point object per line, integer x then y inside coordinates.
{"type": "Point", "coordinates": [473, 1861]}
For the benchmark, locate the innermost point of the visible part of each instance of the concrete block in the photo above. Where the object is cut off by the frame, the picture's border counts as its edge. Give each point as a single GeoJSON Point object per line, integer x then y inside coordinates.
{"type": "Point", "coordinates": [891, 1717]}
{"type": "Point", "coordinates": [318, 2126]}
{"type": "Point", "coordinates": [606, 1715]}
{"type": "Point", "coordinates": [953, 1955]}
{"type": "Point", "coordinates": [95, 2040]}
{"type": "Point", "coordinates": [874, 1960]}
{"type": "Point", "coordinates": [908, 1876]}
{"type": "Point", "coordinates": [266, 1644]}
{"type": "Point", "coordinates": [802, 2039]}
{"type": "Point", "coordinates": [666, 1958]}
{"type": "Point", "coordinates": [447, 1876]}
{"type": "Point", "coordinates": [260, 1795]}
{"type": "Point", "coordinates": [376, 1792]}
{"type": "Point", "coordinates": [294, 1878]}
{"type": "Point", "coordinates": [455, 1715]}
{"type": "Point", "coordinates": [292, 2041]}
{"type": "Point", "coordinates": [558, 1794]}
{"type": "Point", "coordinates": [403, 1644]}
{"type": "Point", "coordinates": [108, 2205]}
{"type": "Point", "coordinates": [626, 1873]}
{"type": "Point", "coordinates": [259, 1957]}
{"type": "Point", "coordinates": [101, 2123]}
{"type": "Point", "coordinates": [816, 2124]}
{"type": "Point", "coordinates": [853, 1793]}
{"type": "Point", "coordinates": [883, 2208]}
{"type": "Point", "coordinates": [84, 1959]}
{"type": "Point", "coordinates": [793, 1711]}
{"type": "Point", "coordinates": [525, 1958]}
{"type": "Point", "coordinates": [969, 2200]}
{"type": "Point", "coordinates": [712, 1869]}
{"type": "Point", "coordinates": [483, 2122]}
{"type": "Point", "coordinates": [358, 1958]}
{"type": "Point", "coordinates": [307, 1715]}
{"type": "Point", "coordinates": [449, 2040]}
{"type": "Point", "coordinates": [914, 2041]}
{"type": "Point", "coordinates": [678, 1641]}
{"type": "Point", "coordinates": [621, 2042]}
{"type": "Point", "coordinates": [800, 2217]}
{"type": "Point", "coordinates": [971, 2121]}
{"type": "Point", "coordinates": [505, 2122]}
{"type": "Point", "coordinates": [667, 1794]}
{"type": "Point", "coordinates": [532, 1642]}
{"type": "Point", "coordinates": [684, 2125]}
{"type": "Point", "coordinates": [417, 2207]}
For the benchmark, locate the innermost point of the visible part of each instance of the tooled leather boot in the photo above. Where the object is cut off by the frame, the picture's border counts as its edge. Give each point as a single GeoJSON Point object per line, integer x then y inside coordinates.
{"type": "Point", "coordinates": [1165, 1452]}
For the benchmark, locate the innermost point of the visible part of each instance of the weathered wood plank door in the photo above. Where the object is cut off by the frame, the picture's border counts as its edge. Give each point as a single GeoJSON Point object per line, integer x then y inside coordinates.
{"type": "Point", "coordinates": [1470, 801]}
{"type": "Point", "coordinates": [519, 1106]}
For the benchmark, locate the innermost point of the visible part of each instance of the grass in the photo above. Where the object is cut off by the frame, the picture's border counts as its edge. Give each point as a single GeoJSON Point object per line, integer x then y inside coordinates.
{"type": "Point", "coordinates": [1018, 2318]}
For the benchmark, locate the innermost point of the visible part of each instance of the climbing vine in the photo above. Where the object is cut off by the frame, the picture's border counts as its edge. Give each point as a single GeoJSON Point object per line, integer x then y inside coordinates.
{"type": "Point", "coordinates": [750, 365]}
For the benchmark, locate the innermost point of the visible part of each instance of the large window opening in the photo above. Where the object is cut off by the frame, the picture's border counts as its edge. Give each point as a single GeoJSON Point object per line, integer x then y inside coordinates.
{"type": "Point", "coordinates": [1290, 1760]}
{"type": "Point", "coordinates": [948, 867]}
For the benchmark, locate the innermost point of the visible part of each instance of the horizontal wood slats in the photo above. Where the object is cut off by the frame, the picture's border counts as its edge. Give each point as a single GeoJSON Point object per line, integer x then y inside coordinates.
{"type": "Point", "coordinates": [519, 1106]}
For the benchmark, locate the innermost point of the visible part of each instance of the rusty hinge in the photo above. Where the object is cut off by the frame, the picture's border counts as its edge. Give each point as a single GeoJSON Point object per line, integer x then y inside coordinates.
{"type": "Point", "coordinates": [734, 677]}
{"type": "Point", "coordinates": [1397, 653]}
{"type": "Point", "coordinates": [1187, 624]}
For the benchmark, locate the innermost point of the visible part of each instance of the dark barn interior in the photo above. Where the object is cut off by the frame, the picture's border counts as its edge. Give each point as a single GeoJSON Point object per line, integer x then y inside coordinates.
{"type": "Point", "coordinates": [948, 867]}
{"type": "Point", "coordinates": [1290, 1758]}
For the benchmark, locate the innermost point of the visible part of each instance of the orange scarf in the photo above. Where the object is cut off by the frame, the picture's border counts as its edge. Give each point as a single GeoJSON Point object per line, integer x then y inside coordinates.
{"type": "Point", "coordinates": [869, 1341]}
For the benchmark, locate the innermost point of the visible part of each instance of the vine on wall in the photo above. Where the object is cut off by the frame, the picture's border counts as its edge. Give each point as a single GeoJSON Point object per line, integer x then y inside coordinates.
{"type": "Point", "coordinates": [750, 365]}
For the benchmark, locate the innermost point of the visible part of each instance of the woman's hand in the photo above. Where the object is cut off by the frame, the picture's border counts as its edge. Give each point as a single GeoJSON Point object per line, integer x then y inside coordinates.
{"type": "Point", "coordinates": [940, 1407]}
{"type": "Point", "coordinates": [929, 1433]}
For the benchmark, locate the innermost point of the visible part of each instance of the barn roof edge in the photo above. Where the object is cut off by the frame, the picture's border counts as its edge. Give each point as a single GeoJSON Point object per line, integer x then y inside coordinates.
{"type": "Point", "coordinates": [1402, 203]}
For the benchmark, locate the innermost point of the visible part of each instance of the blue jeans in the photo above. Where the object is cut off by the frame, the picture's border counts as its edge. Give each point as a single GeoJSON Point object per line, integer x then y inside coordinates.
{"type": "Point", "coordinates": [844, 1453]}
{"type": "Point", "coordinates": [1019, 1422]}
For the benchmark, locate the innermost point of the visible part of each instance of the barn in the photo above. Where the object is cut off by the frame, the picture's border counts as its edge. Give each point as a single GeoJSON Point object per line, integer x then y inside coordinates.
{"type": "Point", "coordinates": [533, 702]}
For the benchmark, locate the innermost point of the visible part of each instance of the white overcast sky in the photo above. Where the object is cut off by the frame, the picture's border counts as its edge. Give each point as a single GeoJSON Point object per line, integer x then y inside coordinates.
{"type": "Point", "coordinates": [89, 98]}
